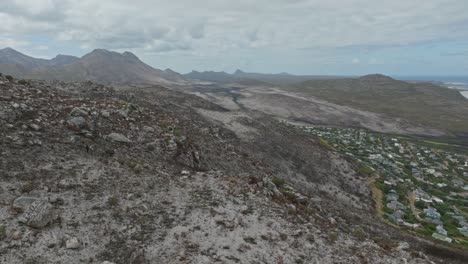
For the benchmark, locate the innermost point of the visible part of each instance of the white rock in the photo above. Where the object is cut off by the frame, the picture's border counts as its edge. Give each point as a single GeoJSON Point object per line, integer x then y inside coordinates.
{"type": "Point", "coordinates": [116, 137]}
{"type": "Point", "coordinates": [35, 127]}
{"type": "Point", "coordinates": [105, 113]}
{"type": "Point", "coordinates": [72, 243]}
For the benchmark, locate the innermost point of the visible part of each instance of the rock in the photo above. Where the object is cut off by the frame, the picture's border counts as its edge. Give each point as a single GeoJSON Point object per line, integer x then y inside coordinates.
{"type": "Point", "coordinates": [116, 137]}
{"type": "Point", "coordinates": [403, 245]}
{"type": "Point", "coordinates": [123, 112]}
{"type": "Point", "coordinates": [105, 113]}
{"type": "Point", "coordinates": [78, 112]}
{"type": "Point", "coordinates": [38, 214]}
{"type": "Point", "coordinates": [107, 262]}
{"type": "Point", "coordinates": [22, 203]}
{"type": "Point", "coordinates": [34, 127]}
{"type": "Point", "coordinates": [332, 221]}
{"type": "Point", "coordinates": [77, 122]}
{"type": "Point", "coordinates": [148, 129]}
{"type": "Point", "coordinates": [72, 243]}
{"type": "Point", "coordinates": [185, 173]}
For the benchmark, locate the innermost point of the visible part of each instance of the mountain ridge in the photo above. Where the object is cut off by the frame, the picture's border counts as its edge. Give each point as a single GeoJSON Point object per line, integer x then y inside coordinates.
{"type": "Point", "coordinates": [99, 65]}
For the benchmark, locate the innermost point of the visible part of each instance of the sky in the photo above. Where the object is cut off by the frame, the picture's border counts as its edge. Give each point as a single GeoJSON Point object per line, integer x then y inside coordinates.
{"type": "Point", "coordinates": [333, 37]}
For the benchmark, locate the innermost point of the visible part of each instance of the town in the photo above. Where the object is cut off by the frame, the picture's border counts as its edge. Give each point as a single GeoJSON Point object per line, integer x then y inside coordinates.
{"type": "Point", "coordinates": [424, 189]}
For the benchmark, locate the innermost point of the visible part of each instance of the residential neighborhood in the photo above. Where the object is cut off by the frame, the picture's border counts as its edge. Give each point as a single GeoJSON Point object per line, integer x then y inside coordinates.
{"type": "Point", "coordinates": [425, 189]}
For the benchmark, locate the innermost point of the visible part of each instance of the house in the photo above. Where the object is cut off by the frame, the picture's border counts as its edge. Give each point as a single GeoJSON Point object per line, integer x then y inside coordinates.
{"type": "Point", "coordinates": [397, 216]}
{"type": "Point", "coordinates": [432, 213]}
{"type": "Point", "coordinates": [395, 205]}
{"type": "Point", "coordinates": [437, 199]}
{"type": "Point", "coordinates": [463, 230]}
{"type": "Point", "coordinates": [442, 238]}
{"type": "Point", "coordinates": [392, 196]}
{"type": "Point", "coordinates": [441, 230]}
{"type": "Point", "coordinates": [412, 226]}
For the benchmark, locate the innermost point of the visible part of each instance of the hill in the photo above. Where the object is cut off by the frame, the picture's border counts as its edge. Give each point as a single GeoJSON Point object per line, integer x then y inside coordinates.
{"type": "Point", "coordinates": [93, 174]}
{"type": "Point", "coordinates": [100, 65]}
{"type": "Point", "coordinates": [421, 103]}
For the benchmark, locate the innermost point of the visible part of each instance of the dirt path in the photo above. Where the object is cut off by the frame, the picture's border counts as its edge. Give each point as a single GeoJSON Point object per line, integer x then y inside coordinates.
{"type": "Point", "coordinates": [411, 198]}
{"type": "Point", "coordinates": [377, 196]}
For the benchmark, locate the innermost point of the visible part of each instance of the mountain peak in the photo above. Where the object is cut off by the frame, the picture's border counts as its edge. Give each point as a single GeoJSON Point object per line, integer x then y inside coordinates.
{"type": "Point", "coordinates": [239, 72]}
{"type": "Point", "coordinates": [376, 77]}
{"type": "Point", "coordinates": [9, 50]}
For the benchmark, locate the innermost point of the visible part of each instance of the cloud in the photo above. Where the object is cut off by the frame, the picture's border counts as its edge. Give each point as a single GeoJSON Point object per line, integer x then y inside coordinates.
{"type": "Point", "coordinates": [251, 24]}
{"type": "Point", "coordinates": [242, 29]}
{"type": "Point", "coordinates": [356, 61]}
{"type": "Point", "coordinates": [12, 43]}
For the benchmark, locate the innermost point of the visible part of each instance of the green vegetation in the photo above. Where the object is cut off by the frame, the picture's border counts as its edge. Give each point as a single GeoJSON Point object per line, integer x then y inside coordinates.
{"type": "Point", "coordinates": [113, 200]}
{"type": "Point", "coordinates": [326, 145]}
{"type": "Point", "coordinates": [421, 103]}
{"type": "Point", "coordinates": [24, 82]}
{"type": "Point", "coordinates": [278, 182]}
{"type": "Point", "coordinates": [365, 170]}
{"type": "Point", "coordinates": [2, 232]}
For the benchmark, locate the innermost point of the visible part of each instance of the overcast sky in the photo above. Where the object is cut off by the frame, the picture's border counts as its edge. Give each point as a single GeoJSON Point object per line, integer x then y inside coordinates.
{"type": "Point", "coordinates": [347, 37]}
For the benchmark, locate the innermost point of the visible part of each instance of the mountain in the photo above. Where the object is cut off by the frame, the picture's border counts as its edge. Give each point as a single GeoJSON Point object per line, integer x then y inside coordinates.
{"type": "Point", "coordinates": [240, 76]}
{"type": "Point", "coordinates": [100, 66]}
{"type": "Point", "coordinates": [62, 60]}
{"type": "Point", "coordinates": [10, 56]}
{"type": "Point", "coordinates": [421, 103]}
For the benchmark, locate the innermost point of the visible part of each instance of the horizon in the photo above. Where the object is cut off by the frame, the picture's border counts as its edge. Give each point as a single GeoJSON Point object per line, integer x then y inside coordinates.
{"type": "Point", "coordinates": [333, 38]}
{"type": "Point", "coordinates": [404, 77]}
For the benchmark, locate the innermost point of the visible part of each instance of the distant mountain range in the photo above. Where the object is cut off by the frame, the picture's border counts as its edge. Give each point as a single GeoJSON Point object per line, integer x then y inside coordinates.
{"type": "Point", "coordinates": [241, 77]}
{"type": "Point", "coordinates": [100, 65]}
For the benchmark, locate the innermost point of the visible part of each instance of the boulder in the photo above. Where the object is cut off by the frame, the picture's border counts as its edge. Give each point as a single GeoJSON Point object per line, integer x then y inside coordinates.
{"type": "Point", "coordinates": [116, 137]}
{"type": "Point", "coordinates": [22, 203]}
{"type": "Point", "coordinates": [78, 112]}
{"type": "Point", "coordinates": [38, 214]}
{"type": "Point", "coordinates": [77, 122]}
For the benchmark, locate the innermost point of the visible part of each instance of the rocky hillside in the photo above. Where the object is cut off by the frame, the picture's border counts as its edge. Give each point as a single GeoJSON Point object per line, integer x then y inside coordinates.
{"type": "Point", "coordinates": [94, 175]}
{"type": "Point", "coordinates": [100, 65]}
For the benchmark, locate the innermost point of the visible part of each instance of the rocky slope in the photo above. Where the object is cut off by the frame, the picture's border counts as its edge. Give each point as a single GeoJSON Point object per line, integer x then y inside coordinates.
{"type": "Point", "coordinates": [94, 175]}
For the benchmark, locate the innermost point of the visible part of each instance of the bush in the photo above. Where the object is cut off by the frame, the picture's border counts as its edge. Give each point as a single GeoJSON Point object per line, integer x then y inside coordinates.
{"type": "Point", "coordinates": [2, 232]}
{"type": "Point", "coordinates": [365, 170]}
{"type": "Point", "coordinates": [113, 200]}
{"type": "Point", "coordinates": [326, 145]}
{"type": "Point", "coordinates": [27, 187]}
{"type": "Point", "coordinates": [9, 78]}
{"type": "Point", "coordinates": [333, 236]}
{"type": "Point", "coordinates": [278, 182]}
{"type": "Point", "coordinates": [23, 82]}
